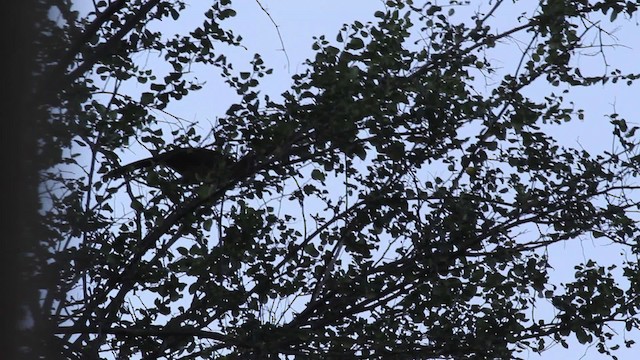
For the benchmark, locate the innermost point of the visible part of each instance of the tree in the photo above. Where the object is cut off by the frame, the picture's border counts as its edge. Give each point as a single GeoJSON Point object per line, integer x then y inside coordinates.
{"type": "Point", "coordinates": [329, 233]}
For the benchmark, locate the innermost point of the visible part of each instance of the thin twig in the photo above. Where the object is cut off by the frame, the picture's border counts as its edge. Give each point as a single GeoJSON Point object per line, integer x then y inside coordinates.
{"type": "Point", "coordinates": [284, 50]}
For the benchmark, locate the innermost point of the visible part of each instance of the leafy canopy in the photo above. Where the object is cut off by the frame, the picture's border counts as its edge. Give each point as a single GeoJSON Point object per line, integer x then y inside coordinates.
{"type": "Point", "coordinates": [405, 198]}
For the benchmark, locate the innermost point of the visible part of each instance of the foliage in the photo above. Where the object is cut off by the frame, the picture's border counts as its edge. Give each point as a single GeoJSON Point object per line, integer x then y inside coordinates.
{"type": "Point", "coordinates": [384, 206]}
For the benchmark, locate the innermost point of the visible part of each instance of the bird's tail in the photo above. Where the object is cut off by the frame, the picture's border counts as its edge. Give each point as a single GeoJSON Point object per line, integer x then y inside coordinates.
{"type": "Point", "coordinates": [129, 168]}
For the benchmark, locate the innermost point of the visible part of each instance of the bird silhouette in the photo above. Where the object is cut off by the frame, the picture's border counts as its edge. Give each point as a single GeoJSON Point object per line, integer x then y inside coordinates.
{"type": "Point", "coordinates": [195, 165]}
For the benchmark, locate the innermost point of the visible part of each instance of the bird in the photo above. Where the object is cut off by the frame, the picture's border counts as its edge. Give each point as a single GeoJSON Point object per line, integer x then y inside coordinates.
{"type": "Point", "coordinates": [195, 165]}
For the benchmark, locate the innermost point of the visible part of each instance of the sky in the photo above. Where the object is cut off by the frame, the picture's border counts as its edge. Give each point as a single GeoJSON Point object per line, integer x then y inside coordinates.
{"type": "Point", "coordinates": [299, 21]}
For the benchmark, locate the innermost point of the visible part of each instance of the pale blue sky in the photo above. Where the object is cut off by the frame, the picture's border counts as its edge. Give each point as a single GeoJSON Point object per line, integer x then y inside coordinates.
{"type": "Point", "coordinates": [299, 21]}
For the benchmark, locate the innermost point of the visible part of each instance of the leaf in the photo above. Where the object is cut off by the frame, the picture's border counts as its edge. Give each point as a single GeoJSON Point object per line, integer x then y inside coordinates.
{"type": "Point", "coordinates": [360, 152]}
{"type": "Point", "coordinates": [311, 250]}
{"type": "Point", "coordinates": [226, 13]}
{"type": "Point", "coordinates": [136, 205]}
{"type": "Point", "coordinates": [614, 15]}
{"type": "Point", "coordinates": [206, 225]}
{"type": "Point", "coordinates": [356, 44]}
{"type": "Point", "coordinates": [146, 98]}
{"type": "Point", "coordinates": [174, 14]}
{"type": "Point", "coordinates": [309, 189]}
{"type": "Point", "coordinates": [317, 175]}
